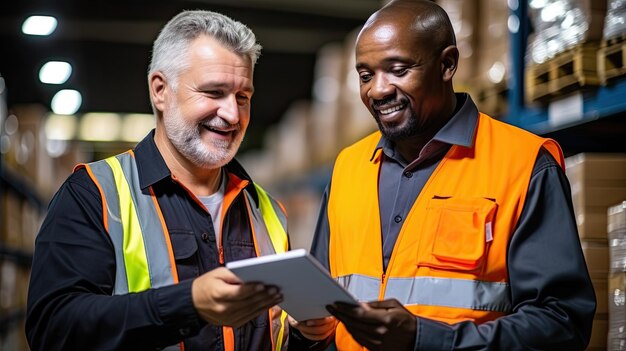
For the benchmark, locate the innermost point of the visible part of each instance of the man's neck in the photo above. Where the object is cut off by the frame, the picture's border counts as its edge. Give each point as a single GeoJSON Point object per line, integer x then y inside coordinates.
{"type": "Point", "coordinates": [410, 148]}
{"type": "Point", "coordinates": [200, 181]}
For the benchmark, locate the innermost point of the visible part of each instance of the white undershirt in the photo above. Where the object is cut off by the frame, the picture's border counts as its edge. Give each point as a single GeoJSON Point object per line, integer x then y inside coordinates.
{"type": "Point", "coordinates": [213, 204]}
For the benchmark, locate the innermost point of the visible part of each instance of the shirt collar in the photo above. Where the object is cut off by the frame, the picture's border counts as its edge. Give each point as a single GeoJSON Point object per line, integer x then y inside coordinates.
{"type": "Point", "coordinates": [152, 167]}
{"type": "Point", "coordinates": [150, 164]}
{"type": "Point", "coordinates": [458, 131]}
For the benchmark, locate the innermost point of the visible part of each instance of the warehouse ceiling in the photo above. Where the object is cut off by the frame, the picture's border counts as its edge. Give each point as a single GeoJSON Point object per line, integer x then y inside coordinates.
{"type": "Point", "coordinates": [109, 42]}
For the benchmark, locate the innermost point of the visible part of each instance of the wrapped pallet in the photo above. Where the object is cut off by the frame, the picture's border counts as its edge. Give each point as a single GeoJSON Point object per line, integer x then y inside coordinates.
{"type": "Point", "coordinates": [616, 297]}
{"type": "Point", "coordinates": [615, 22]}
{"type": "Point", "coordinates": [559, 25]}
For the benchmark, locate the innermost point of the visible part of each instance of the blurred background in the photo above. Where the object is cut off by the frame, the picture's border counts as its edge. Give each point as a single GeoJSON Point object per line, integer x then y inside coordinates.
{"type": "Point", "coordinates": [73, 88]}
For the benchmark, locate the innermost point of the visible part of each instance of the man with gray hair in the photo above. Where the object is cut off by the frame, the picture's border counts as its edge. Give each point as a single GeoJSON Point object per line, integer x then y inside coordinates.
{"type": "Point", "coordinates": [131, 254]}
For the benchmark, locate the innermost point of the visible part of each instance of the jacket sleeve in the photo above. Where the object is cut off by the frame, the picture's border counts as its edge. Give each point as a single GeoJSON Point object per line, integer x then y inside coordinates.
{"type": "Point", "coordinates": [552, 296]}
{"type": "Point", "coordinates": [321, 237]}
{"type": "Point", "coordinates": [70, 302]}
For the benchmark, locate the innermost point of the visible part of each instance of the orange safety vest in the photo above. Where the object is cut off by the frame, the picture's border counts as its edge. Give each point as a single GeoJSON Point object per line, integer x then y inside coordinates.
{"type": "Point", "coordinates": [449, 260]}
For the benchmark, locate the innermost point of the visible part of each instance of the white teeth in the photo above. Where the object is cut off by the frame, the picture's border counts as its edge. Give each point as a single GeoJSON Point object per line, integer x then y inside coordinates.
{"type": "Point", "coordinates": [391, 109]}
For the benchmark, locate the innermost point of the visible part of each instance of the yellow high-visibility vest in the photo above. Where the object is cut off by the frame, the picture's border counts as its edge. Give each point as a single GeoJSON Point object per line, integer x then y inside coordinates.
{"type": "Point", "coordinates": [143, 251]}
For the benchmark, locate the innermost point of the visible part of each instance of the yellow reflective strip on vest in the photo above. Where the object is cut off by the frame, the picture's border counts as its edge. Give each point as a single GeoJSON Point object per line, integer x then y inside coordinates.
{"type": "Point", "coordinates": [135, 258]}
{"type": "Point", "coordinates": [277, 233]}
{"type": "Point", "coordinates": [279, 342]}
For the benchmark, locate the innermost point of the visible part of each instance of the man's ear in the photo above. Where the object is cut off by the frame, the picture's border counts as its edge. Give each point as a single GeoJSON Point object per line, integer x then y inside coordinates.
{"type": "Point", "coordinates": [158, 91]}
{"type": "Point", "coordinates": [449, 62]}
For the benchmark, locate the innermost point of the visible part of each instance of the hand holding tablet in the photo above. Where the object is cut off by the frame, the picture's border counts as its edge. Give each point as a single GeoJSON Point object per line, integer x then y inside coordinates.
{"type": "Point", "coordinates": [306, 286]}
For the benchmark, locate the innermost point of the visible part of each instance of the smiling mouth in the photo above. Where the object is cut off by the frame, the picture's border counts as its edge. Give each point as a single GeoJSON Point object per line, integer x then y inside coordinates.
{"type": "Point", "coordinates": [392, 109]}
{"type": "Point", "coordinates": [219, 131]}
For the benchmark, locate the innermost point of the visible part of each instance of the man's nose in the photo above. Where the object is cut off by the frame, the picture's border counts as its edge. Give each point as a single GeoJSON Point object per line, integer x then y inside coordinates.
{"type": "Point", "coordinates": [380, 88]}
{"type": "Point", "coordinates": [229, 109]}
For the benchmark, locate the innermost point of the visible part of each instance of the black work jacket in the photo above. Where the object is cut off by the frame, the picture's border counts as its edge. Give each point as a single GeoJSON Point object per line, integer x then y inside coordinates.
{"type": "Point", "coordinates": [70, 306]}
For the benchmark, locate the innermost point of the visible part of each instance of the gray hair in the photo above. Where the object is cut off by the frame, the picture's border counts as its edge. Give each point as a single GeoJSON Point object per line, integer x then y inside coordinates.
{"type": "Point", "coordinates": [170, 48]}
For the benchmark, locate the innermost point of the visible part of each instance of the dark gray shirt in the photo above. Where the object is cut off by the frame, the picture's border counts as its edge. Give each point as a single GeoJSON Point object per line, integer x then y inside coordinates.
{"type": "Point", "coordinates": [400, 182]}
{"type": "Point", "coordinates": [550, 289]}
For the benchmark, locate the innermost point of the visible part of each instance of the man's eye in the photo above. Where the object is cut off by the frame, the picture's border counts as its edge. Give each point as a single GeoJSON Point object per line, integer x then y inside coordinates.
{"type": "Point", "coordinates": [214, 93]}
{"type": "Point", "coordinates": [365, 77]}
{"type": "Point", "coordinates": [243, 99]}
{"type": "Point", "coordinates": [399, 71]}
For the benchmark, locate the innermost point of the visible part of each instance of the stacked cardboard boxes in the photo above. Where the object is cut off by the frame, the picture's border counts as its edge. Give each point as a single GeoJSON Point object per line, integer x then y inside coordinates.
{"type": "Point", "coordinates": [30, 175]}
{"type": "Point", "coordinates": [598, 181]}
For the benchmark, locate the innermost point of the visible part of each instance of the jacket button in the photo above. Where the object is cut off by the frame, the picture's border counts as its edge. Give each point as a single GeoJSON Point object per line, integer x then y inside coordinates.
{"type": "Point", "coordinates": [398, 219]}
{"type": "Point", "coordinates": [408, 174]}
{"type": "Point", "coordinates": [205, 237]}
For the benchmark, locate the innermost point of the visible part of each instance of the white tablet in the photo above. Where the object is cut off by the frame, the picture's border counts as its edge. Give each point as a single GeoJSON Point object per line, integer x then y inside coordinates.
{"type": "Point", "coordinates": [306, 286]}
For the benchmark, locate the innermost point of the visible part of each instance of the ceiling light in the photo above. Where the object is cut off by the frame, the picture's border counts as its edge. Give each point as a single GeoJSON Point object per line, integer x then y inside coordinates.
{"type": "Point", "coordinates": [66, 102]}
{"type": "Point", "coordinates": [55, 72]}
{"type": "Point", "coordinates": [39, 25]}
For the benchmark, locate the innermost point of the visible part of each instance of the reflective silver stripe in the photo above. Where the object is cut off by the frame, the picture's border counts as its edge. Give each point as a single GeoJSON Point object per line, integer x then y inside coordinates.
{"type": "Point", "coordinates": [160, 270]}
{"type": "Point", "coordinates": [362, 287]}
{"type": "Point", "coordinates": [279, 212]}
{"type": "Point", "coordinates": [263, 239]}
{"type": "Point", "coordinates": [432, 291]}
{"type": "Point", "coordinates": [104, 176]}
{"type": "Point", "coordinates": [153, 236]}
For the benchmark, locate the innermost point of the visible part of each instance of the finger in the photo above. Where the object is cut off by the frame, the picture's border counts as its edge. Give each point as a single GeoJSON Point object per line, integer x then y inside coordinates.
{"type": "Point", "coordinates": [385, 304]}
{"type": "Point", "coordinates": [242, 292]}
{"type": "Point", "coordinates": [226, 275]}
{"type": "Point", "coordinates": [292, 322]}
{"type": "Point", "coordinates": [247, 309]}
{"type": "Point", "coordinates": [360, 315]}
{"type": "Point", "coordinates": [241, 314]}
{"type": "Point", "coordinates": [260, 301]}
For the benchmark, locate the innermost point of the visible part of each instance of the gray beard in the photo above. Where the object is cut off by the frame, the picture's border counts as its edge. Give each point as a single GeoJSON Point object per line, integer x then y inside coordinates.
{"type": "Point", "coordinates": [186, 138]}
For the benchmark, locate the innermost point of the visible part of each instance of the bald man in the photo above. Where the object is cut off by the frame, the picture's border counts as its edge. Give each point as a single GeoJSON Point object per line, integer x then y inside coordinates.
{"type": "Point", "coordinates": [455, 230]}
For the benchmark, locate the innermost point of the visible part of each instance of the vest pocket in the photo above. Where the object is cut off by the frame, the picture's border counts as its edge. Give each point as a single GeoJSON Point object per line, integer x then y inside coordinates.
{"type": "Point", "coordinates": [185, 253]}
{"type": "Point", "coordinates": [462, 231]}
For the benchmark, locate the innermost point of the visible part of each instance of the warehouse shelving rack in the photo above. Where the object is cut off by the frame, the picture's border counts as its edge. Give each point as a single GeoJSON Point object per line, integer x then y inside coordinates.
{"type": "Point", "coordinates": [590, 119]}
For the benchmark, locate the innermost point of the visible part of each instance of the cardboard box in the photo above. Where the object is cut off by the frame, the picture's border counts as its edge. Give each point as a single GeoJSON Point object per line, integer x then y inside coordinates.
{"type": "Point", "coordinates": [599, 333]}
{"type": "Point", "coordinates": [597, 181]}
{"type": "Point", "coordinates": [601, 288]}
{"type": "Point", "coordinates": [597, 258]}
{"type": "Point", "coordinates": [464, 16]}
{"type": "Point", "coordinates": [600, 169]}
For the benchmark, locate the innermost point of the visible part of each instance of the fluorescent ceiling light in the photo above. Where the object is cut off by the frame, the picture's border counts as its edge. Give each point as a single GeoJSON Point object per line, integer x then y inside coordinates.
{"type": "Point", "coordinates": [39, 25]}
{"type": "Point", "coordinates": [66, 102]}
{"type": "Point", "coordinates": [55, 72]}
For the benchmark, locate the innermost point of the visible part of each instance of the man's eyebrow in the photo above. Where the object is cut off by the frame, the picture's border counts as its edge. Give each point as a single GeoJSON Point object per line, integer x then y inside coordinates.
{"type": "Point", "coordinates": [222, 85]}
{"type": "Point", "coordinates": [387, 60]}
